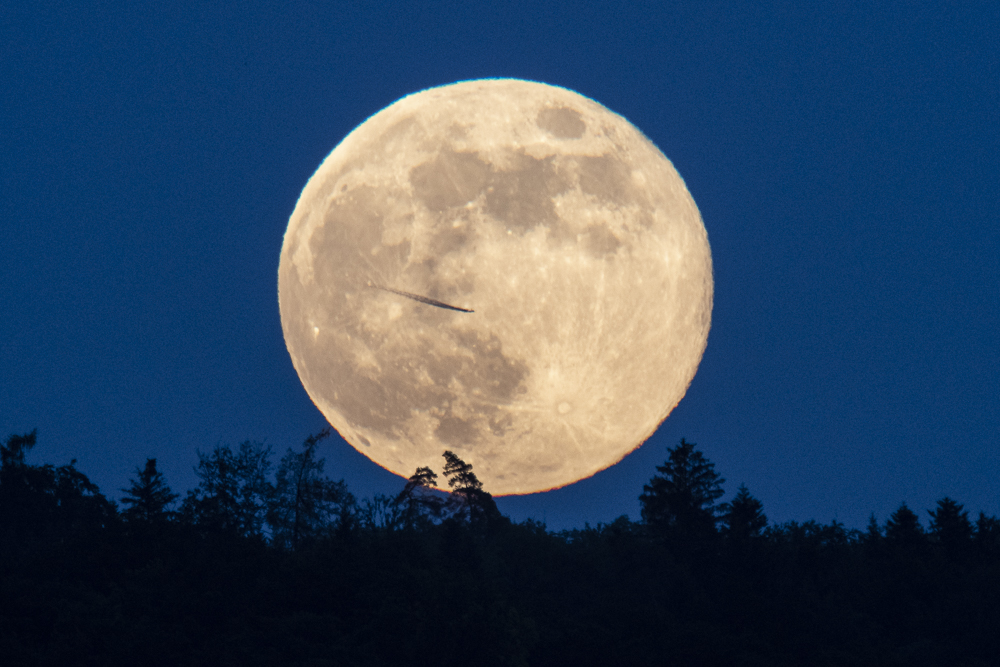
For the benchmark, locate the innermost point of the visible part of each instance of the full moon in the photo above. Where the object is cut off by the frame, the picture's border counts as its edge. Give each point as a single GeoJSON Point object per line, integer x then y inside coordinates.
{"type": "Point", "coordinates": [502, 268]}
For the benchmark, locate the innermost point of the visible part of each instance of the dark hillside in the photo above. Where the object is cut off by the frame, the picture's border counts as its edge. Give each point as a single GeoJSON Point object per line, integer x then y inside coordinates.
{"type": "Point", "coordinates": [265, 565]}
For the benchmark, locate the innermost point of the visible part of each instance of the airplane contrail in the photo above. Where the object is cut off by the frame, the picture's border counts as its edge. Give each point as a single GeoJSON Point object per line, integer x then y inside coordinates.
{"type": "Point", "coordinates": [422, 299]}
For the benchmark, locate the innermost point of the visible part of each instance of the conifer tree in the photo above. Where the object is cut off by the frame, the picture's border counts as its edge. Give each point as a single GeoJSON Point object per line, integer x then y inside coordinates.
{"type": "Point", "coordinates": [468, 500]}
{"type": "Point", "coordinates": [903, 527]}
{"type": "Point", "coordinates": [418, 505]}
{"type": "Point", "coordinates": [743, 517]}
{"type": "Point", "coordinates": [148, 496]}
{"type": "Point", "coordinates": [873, 531]}
{"type": "Point", "coordinates": [950, 526]}
{"type": "Point", "coordinates": [681, 500]}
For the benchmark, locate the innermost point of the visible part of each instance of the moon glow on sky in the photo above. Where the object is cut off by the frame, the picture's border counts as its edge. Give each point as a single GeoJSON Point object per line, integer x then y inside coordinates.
{"type": "Point", "coordinates": [502, 268]}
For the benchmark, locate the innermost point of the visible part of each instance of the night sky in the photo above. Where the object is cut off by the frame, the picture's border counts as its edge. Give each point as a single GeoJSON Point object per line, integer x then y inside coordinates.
{"type": "Point", "coordinates": [846, 162]}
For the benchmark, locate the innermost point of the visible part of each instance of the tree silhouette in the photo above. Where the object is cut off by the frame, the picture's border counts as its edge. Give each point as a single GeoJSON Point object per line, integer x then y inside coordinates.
{"type": "Point", "coordinates": [950, 526]}
{"type": "Point", "coordinates": [468, 501]}
{"type": "Point", "coordinates": [380, 513]}
{"type": "Point", "coordinates": [148, 496]}
{"type": "Point", "coordinates": [305, 504]}
{"type": "Point", "coordinates": [46, 500]}
{"type": "Point", "coordinates": [680, 501]}
{"type": "Point", "coordinates": [873, 532]}
{"type": "Point", "coordinates": [418, 505]}
{"type": "Point", "coordinates": [988, 533]}
{"type": "Point", "coordinates": [234, 493]}
{"type": "Point", "coordinates": [80, 505]}
{"type": "Point", "coordinates": [743, 517]}
{"type": "Point", "coordinates": [72, 584]}
{"type": "Point", "coordinates": [13, 450]}
{"type": "Point", "coordinates": [903, 527]}
{"type": "Point", "coordinates": [21, 484]}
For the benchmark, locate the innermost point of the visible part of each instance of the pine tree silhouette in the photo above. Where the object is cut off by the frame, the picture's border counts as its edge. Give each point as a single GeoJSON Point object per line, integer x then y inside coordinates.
{"type": "Point", "coordinates": [148, 496]}
{"type": "Point", "coordinates": [468, 500]}
{"type": "Point", "coordinates": [680, 501]}
{"type": "Point", "coordinates": [950, 526]}
{"type": "Point", "coordinates": [743, 517]}
{"type": "Point", "coordinates": [903, 527]}
{"type": "Point", "coordinates": [417, 503]}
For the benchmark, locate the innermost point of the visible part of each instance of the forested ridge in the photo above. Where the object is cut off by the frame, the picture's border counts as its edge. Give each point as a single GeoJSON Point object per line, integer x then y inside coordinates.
{"type": "Point", "coordinates": [273, 562]}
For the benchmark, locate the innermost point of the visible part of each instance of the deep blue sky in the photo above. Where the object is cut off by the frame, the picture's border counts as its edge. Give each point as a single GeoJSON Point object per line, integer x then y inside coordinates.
{"type": "Point", "coordinates": [846, 161]}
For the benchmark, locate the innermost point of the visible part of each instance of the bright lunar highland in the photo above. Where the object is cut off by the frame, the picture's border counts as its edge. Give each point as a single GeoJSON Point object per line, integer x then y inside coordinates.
{"type": "Point", "coordinates": [501, 268]}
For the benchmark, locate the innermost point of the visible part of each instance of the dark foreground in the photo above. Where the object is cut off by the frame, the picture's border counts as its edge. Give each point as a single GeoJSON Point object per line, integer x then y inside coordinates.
{"type": "Point", "coordinates": [284, 567]}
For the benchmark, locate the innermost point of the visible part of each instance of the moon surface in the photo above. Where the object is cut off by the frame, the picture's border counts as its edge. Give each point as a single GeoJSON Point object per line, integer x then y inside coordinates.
{"type": "Point", "coordinates": [502, 268]}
